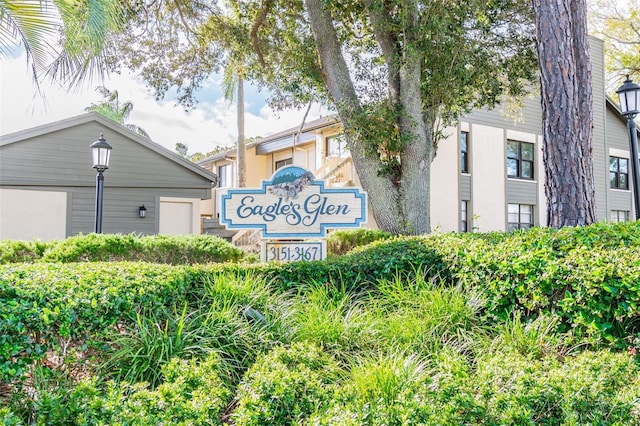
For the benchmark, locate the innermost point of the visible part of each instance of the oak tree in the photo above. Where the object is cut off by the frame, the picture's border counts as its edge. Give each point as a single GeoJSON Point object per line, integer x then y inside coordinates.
{"type": "Point", "coordinates": [396, 71]}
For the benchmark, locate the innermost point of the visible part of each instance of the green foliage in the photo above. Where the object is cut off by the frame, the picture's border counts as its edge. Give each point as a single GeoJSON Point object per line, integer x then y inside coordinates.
{"type": "Point", "coordinates": [44, 303]}
{"type": "Point", "coordinates": [138, 354]}
{"type": "Point", "coordinates": [285, 386]}
{"type": "Point", "coordinates": [500, 387]}
{"type": "Point", "coordinates": [21, 251]}
{"type": "Point", "coordinates": [176, 250]}
{"type": "Point", "coordinates": [492, 328]}
{"type": "Point", "coordinates": [192, 394]}
{"type": "Point", "coordinates": [342, 241]}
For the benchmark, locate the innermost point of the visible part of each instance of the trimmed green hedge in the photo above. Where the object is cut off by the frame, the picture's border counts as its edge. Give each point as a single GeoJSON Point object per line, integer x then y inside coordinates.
{"type": "Point", "coordinates": [175, 250]}
{"type": "Point", "coordinates": [45, 302]}
{"type": "Point", "coordinates": [588, 277]}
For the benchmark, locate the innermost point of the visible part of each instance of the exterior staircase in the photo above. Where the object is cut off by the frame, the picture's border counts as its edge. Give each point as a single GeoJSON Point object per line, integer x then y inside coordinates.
{"type": "Point", "coordinates": [214, 227]}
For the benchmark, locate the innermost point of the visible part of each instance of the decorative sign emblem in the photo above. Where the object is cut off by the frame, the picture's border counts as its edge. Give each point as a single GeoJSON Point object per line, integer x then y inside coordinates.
{"type": "Point", "coordinates": [293, 205]}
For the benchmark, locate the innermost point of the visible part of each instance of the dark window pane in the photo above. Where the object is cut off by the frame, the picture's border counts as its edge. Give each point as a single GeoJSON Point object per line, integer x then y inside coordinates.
{"type": "Point", "coordinates": [527, 169]}
{"type": "Point", "coordinates": [512, 149]}
{"type": "Point", "coordinates": [512, 168]}
{"type": "Point", "coordinates": [623, 165]}
{"type": "Point", "coordinates": [622, 181]}
{"type": "Point", "coordinates": [527, 151]}
{"type": "Point", "coordinates": [613, 164]}
{"type": "Point", "coordinates": [613, 179]}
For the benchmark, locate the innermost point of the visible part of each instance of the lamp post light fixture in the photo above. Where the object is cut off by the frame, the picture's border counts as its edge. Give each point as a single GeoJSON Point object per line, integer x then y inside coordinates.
{"type": "Point", "coordinates": [101, 151]}
{"type": "Point", "coordinates": [629, 94]}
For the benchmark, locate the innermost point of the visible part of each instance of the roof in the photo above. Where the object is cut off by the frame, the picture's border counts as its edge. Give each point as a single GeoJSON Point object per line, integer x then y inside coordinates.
{"type": "Point", "coordinates": [44, 129]}
{"type": "Point", "coordinates": [316, 124]}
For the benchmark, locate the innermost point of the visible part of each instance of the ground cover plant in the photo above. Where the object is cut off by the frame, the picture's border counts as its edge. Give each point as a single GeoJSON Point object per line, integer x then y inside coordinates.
{"type": "Point", "coordinates": [531, 327]}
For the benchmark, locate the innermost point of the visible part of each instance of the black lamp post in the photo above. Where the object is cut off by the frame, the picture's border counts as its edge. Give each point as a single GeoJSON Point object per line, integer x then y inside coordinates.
{"type": "Point", "coordinates": [629, 94]}
{"type": "Point", "coordinates": [101, 151]}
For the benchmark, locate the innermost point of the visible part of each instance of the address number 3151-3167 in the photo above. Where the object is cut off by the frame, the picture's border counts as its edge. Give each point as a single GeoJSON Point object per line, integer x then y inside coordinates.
{"type": "Point", "coordinates": [293, 251]}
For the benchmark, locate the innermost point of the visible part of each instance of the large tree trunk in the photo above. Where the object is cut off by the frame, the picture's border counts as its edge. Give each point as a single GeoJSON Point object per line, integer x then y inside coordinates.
{"type": "Point", "coordinates": [398, 207]}
{"type": "Point", "coordinates": [567, 114]}
{"type": "Point", "coordinates": [242, 148]}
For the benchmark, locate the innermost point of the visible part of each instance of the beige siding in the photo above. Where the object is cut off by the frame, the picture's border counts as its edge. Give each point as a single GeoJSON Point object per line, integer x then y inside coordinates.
{"type": "Point", "coordinates": [487, 154]}
{"type": "Point", "coordinates": [29, 215]}
{"type": "Point", "coordinates": [445, 204]}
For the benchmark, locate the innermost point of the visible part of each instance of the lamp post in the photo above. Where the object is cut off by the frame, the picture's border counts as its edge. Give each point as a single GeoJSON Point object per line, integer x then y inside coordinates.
{"type": "Point", "coordinates": [629, 94]}
{"type": "Point", "coordinates": [101, 151]}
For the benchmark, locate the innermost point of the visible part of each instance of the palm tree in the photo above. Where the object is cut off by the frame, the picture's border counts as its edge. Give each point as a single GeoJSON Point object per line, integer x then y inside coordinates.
{"type": "Point", "coordinates": [111, 108]}
{"type": "Point", "coordinates": [66, 41]}
{"type": "Point", "coordinates": [234, 82]}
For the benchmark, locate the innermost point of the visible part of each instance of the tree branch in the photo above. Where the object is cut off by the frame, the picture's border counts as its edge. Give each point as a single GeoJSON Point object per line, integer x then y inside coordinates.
{"type": "Point", "coordinates": [264, 11]}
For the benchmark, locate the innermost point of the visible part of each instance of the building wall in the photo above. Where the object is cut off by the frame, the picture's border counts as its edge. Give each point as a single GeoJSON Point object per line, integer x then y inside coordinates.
{"type": "Point", "coordinates": [23, 217]}
{"type": "Point", "coordinates": [59, 162]}
{"type": "Point", "coordinates": [445, 172]}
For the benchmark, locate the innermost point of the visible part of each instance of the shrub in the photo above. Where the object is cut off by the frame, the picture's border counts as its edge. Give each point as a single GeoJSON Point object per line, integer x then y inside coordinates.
{"type": "Point", "coordinates": [16, 251]}
{"type": "Point", "coordinates": [342, 241]}
{"type": "Point", "coordinates": [44, 303]}
{"type": "Point", "coordinates": [171, 249]}
{"type": "Point", "coordinates": [192, 394]}
{"type": "Point", "coordinates": [285, 386]}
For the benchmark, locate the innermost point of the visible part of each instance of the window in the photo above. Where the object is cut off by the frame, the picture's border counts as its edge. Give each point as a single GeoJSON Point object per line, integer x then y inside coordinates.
{"type": "Point", "coordinates": [464, 216]}
{"type": "Point", "coordinates": [336, 146]}
{"type": "Point", "coordinates": [225, 177]}
{"type": "Point", "coordinates": [619, 172]}
{"type": "Point", "coordinates": [464, 152]}
{"type": "Point", "coordinates": [619, 216]}
{"type": "Point", "coordinates": [519, 160]}
{"type": "Point", "coordinates": [282, 163]}
{"type": "Point", "coordinates": [520, 216]}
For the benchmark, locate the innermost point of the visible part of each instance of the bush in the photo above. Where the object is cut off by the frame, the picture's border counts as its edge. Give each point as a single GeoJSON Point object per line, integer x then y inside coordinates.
{"type": "Point", "coordinates": [15, 251]}
{"type": "Point", "coordinates": [44, 303]}
{"type": "Point", "coordinates": [175, 250]}
{"type": "Point", "coordinates": [285, 386]}
{"type": "Point", "coordinates": [192, 394]}
{"type": "Point", "coordinates": [342, 241]}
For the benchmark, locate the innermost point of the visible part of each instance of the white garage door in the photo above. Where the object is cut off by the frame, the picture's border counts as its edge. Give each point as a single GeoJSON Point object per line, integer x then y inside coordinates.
{"type": "Point", "coordinates": [179, 217]}
{"type": "Point", "coordinates": [30, 215]}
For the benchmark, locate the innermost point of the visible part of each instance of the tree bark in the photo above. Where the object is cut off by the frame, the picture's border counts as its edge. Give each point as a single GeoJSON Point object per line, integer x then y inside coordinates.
{"type": "Point", "coordinates": [398, 209]}
{"type": "Point", "coordinates": [567, 111]}
{"type": "Point", "coordinates": [242, 148]}
{"type": "Point", "coordinates": [383, 196]}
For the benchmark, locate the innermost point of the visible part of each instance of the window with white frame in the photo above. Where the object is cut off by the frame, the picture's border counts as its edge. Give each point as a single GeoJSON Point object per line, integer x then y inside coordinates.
{"type": "Point", "coordinates": [619, 173]}
{"type": "Point", "coordinates": [519, 159]}
{"type": "Point", "coordinates": [464, 152]}
{"type": "Point", "coordinates": [285, 162]}
{"type": "Point", "coordinates": [619, 216]}
{"type": "Point", "coordinates": [225, 176]}
{"type": "Point", "coordinates": [519, 216]}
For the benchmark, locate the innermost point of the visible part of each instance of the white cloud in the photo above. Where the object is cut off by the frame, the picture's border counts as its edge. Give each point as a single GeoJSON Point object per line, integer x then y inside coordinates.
{"type": "Point", "coordinates": [209, 124]}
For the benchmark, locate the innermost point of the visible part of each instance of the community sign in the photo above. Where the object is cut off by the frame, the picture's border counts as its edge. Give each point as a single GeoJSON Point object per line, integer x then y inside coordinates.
{"type": "Point", "coordinates": [293, 204]}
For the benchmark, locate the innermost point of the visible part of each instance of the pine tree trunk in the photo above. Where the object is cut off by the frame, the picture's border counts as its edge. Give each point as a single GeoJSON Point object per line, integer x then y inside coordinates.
{"type": "Point", "coordinates": [567, 111]}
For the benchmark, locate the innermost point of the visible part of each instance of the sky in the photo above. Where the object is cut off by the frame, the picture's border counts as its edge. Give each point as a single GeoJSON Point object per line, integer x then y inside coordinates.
{"type": "Point", "coordinates": [210, 123]}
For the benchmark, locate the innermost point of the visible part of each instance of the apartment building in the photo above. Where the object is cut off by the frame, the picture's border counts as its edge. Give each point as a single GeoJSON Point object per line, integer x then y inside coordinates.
{"type": "Point", "coordinates": [488, 173]}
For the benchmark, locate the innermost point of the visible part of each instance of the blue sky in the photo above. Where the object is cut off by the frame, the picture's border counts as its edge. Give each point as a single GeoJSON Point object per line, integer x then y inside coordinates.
{"type": "Point", "coordinates": [211, 123]}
